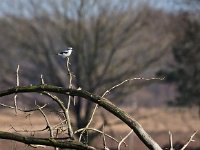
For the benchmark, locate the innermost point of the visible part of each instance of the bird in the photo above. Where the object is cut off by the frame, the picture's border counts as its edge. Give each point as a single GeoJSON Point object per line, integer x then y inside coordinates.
{"type": "Point", "coordinates": [66, 53]}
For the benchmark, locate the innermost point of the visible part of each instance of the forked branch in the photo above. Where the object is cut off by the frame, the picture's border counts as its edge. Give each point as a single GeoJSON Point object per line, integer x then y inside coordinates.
{"type": "Point", "coordinates": [103, 102]}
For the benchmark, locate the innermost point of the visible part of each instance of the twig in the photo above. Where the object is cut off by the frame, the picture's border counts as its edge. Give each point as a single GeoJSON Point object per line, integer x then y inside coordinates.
{"type": "Point", "coordinates": [12, 128]}
{"type": "Point", "coordinates": [64, 109]}
{"type": "Point", "coordinates": [37, 146]}
{"type": "Point", "coordinates": [119, 145]}
{"type": "Point", "coordinates": [17, 75]}
{"type": "Point", "coordinates": [29, 119]}
{"type": "Point", "coordinates": [91, 118]}
{"type": "Point", "coordinates": [93, 129]}
{"type": "Point", "coordinates": [28, 131]}
{"type": "Point", "coordinates": [15, 103]}
{"type": "Point", "coordinates": [60, 128]}
{"type": "Point", "coordinates": [23, 110]}
{"type": "Point", "coordinates": [108, 91]}
{"type": "Point", "coordinates": [69, 72]}
{"type": "Point", "coordinates": [42, 79]}
{"type": "Point", "coordinates": [70, 131]}
{"type": "Point", "coordinates": [17, 84]}
{"type": "Point", "coordinates": [127, 80]}
{"type": "Point", "coordinates": [171, 141]}
{"type": "Point", "coordinates": [104, 140]}
{"type": "Point", "coordinates": [56, 99]}
{"type": "Point", "coordinates": [190, 140]}
{"type": "Point", "coordinates": [59, 124]}
{"type": "Point", "coordinates": [47, 121]}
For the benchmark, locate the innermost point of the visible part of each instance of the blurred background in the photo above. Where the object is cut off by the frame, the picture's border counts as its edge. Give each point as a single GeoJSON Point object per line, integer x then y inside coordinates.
{"type": "Point", "coordinates": [112, 40]}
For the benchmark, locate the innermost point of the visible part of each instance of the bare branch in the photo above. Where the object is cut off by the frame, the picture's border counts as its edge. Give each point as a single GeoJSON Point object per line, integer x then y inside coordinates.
{"type": "Point", "coordinates": [42, 79]}
{"type": "Point", "coordinates": [105, 103]}
{"type": "Point", "coordinates": [8, 106]}
{"type": "Point", "coordinates": [17, 84]}
{"type": "Point", "coordinates": [61, 105]}
{"type": "Point", "coordinates": [70, 130]}
{"type": "Point", "coordinates": [17, 75]}
{"type": "Point", "coordinates": [127, 80]}
{"type": "Point", "coordinates": [108, 91]}
{"type": "Point", "coordinates": [23, 110]}
{"type": "Point", "coordinates": [190, 140]}
{"type": "Point", "coordinates": [60, 124]}
{"type": "Point", "coordinates": [171, 141]}
{"type": "Point", "coordinates": [119, 145]}
{"type": "Point", "coordinates": [29, 131]}
{"type": "Point", "coordinates": [69, 73]}
{"type": "Point", "coordinates": [37, 146]}
{"type": "Point", "coordinates": [93, 129]}
{"type": "Point", "coordinates": [42, 141]}
{"type": "Point", "coordinates": [15, 103]}
{"type": "Point", "coordinates": [104, 140]}
{"type": "Point", "coordinates": [64, 109]}
{"type": "Point", "coordinates": [47, 122]}
{"type": "Point", "coordinates": [95, 108]}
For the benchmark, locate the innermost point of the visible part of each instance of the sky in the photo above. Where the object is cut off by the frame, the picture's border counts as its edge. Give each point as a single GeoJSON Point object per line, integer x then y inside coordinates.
{"type": "Point", "coordinates": [167, 5]}
{"type": "Point", "coordinates": [175, 5]}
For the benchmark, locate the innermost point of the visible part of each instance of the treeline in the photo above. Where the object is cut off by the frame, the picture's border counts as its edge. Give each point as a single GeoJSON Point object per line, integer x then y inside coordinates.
{"type": "Point", "coordinates": [112, 42]}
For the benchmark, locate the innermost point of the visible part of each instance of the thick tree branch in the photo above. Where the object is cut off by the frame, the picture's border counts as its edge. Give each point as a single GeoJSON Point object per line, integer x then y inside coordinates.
{"type": "Point", "coordinates": [105, 103]}
{"type": "Point", "coordinates": [48, 142]}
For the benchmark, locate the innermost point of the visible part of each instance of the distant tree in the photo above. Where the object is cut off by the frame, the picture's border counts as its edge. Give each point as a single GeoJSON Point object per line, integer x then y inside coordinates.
{"type": "Point", "coordinates": [111, 41]}
{"type": "Point", "coordinates": [186, 51]}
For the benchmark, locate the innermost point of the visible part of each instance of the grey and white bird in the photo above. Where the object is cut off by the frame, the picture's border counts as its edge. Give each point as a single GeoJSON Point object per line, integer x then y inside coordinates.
{"type": "Point", "coordinates": [66, 53]}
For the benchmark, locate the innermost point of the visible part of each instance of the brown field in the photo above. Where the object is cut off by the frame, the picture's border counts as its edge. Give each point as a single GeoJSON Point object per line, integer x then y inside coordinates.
{"type": "Point", "coordinates": [182, 122]}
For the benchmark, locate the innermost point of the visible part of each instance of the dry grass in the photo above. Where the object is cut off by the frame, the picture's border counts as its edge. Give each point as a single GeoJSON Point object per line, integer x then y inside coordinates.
{"type": "Point", "coordinates": [182, 122]}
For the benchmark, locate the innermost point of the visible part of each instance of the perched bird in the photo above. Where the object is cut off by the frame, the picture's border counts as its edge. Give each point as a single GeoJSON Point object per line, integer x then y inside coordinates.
{"type": "Point", "coordinates": [66, 53]}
